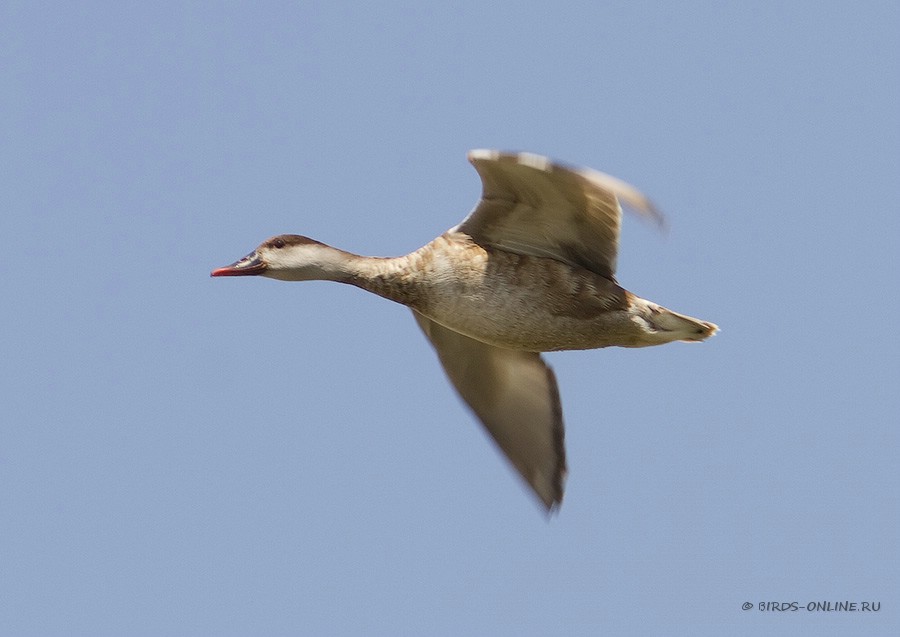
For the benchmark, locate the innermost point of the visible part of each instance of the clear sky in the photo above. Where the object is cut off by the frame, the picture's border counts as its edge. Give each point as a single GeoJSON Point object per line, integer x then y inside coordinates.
{"type": "Point", "coordinates": [182, 455]}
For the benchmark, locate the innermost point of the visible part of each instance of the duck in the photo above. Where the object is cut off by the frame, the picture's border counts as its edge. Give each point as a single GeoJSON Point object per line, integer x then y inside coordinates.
{"type": "Point", "coordinates": [530, 270]}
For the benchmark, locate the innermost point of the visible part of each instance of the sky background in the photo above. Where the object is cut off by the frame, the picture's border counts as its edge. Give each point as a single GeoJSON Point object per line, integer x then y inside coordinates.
{"type": "Point", "coordinates": [182, 455]}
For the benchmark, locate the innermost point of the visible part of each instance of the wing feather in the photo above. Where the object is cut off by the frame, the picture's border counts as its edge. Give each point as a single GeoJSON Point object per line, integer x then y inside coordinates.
{"type": "Point", "coordinates": [515, 396]}
{"type": "Point", "coordinates": [530, 205]}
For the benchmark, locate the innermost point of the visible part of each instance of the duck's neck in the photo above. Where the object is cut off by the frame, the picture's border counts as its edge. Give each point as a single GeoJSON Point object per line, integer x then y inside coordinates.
{"type": "Point", "coordinates": [389, 277]}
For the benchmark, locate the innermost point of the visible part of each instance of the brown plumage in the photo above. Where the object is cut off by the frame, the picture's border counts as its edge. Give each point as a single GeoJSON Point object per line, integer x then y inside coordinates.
{"type": "Point", "coordinates": [531, 269]}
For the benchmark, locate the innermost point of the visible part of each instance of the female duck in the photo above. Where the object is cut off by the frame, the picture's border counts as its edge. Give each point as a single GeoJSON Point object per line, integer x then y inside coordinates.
{"type": "Point", "coordinates": [530, 270]}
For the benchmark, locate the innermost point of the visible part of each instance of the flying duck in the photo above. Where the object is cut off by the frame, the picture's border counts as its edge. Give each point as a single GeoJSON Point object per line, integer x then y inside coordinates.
{"type": "Point", "coordinates": [530, 270]}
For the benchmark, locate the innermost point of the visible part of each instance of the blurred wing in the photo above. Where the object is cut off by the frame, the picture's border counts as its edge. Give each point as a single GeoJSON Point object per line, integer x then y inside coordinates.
{"type": "Point", "coordinates": [532, 206]}
{"type": "Point", "coordinates": [515, 396]}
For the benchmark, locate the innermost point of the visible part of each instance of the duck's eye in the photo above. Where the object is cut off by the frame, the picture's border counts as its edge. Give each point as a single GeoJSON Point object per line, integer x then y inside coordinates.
{"type": "Point", "coordinates": [278, 243]}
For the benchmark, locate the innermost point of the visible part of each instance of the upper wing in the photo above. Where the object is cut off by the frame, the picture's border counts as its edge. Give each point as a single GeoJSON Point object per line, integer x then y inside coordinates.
{"type": "Point", "coordinates": [515, 396]}
{"type": "Point", "coordinates": [530, 205]}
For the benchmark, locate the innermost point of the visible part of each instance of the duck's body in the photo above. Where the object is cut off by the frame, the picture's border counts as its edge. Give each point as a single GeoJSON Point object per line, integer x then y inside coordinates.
{"type": "Point", "coordinates": [517, 301]}
{"type": "Point", "coordinates": [530, 270]}
{"type": "Point", "coordinates": [502, 298]}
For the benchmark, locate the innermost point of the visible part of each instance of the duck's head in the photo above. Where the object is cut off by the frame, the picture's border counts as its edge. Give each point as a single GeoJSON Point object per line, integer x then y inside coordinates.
{"type": "Point", "coordinates": [289, 257]}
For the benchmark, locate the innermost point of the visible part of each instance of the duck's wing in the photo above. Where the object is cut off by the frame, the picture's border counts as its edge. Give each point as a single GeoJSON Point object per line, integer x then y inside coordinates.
{"type": "Point", "coordinates": [530, 205]}
{"type": "Point", "coordinates": [514, 394]}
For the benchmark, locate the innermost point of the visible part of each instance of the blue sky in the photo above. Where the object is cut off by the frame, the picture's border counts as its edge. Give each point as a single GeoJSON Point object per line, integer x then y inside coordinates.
{"type": "Point", "coordinates": [182, 455]}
